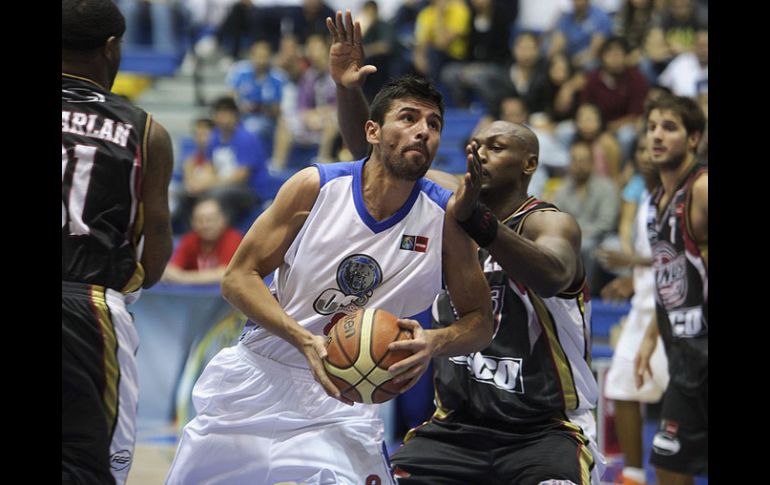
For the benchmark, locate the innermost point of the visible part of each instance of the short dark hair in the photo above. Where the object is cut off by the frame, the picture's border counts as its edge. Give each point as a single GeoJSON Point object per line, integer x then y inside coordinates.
{"type": "Point", "coordinates": [224, 103]}
{"type": "Point", "coordinates": [693, 119]}
{"type": "Point", "coordinates": [87, 24]}
{"type": "Point", "coordinates": [408, 86]}
{"type": "Point", "coordinates": [614, 41]}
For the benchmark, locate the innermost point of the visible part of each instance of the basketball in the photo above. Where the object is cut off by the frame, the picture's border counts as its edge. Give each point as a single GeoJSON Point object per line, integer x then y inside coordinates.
{"type": "Point", "coordinates": [358, 356]}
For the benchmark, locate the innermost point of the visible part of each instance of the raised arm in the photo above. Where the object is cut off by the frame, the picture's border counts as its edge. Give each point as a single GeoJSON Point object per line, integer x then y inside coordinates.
{"type": "Point", "coordinates": [261, 251]}
{"type": "Point", "coordinates": [346, 65]}
{"type": "Point", "coordinates": [157, 219]}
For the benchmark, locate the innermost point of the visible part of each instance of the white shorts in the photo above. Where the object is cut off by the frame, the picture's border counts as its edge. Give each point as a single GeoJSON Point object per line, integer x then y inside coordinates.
{"type": "Point", "coordinates": [621, 384]}
{"type": "Point", "coordinates": [262, 422]}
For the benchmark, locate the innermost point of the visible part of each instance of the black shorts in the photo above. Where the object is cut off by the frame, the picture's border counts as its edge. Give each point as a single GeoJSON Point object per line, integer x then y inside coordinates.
{"type": "Point", "coordinates": [681, 444]}
{"type": "Point", "coordinates": [91, 372]}
{"type": "Point", "coordinates": [444, 453]}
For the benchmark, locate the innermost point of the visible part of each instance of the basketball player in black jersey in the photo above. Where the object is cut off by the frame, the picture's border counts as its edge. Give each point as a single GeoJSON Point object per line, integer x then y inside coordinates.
{"type": "Point", "coordinates": [519, 411]}
{"type": "Point", "coordinates": [677, 225]}
{"type": "Point", "coordinates": [116, 239]}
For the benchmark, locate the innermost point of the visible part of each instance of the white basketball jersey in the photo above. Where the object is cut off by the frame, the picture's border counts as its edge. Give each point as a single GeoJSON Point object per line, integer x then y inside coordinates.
{"type": "Point", "coordinates": [644, 284]}
{"type": "Point", "coordinates": [343, 259]}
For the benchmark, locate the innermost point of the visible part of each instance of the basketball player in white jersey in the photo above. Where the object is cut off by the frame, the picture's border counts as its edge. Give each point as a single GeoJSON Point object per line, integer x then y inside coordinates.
{"type": "Point", "coordinates": [370, 233]}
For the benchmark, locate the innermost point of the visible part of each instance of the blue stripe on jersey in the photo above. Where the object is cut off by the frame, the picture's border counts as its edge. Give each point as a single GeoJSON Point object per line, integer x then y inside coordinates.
{"type": "Point", "coordinates": [330, 171]}
{"type": "Point", "coordinates": [437, 193]}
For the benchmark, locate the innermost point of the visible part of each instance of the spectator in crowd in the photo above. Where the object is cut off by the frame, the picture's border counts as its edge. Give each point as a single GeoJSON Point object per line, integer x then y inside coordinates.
{"type": "Point", "coordinates": [441, 35]}
{"type": "Point", "coordinates": [257, 90]}
{"type": "Point", "coordinates": [312, 121]}
{"type": "Point", "coordinates": [619, 91]}
{"type": "Point", "coordinates": [581, 33]}
{"type": "Point", "coordinates": [238, 162]}
{"type": "Point", "coordinates": [593, 200]}
{"type": "Point", "coordinates": [203, 254]}
{"type": "Point", "coordinates": [688, 73]}
{"type": "Point", "coordinates": [483, 76]}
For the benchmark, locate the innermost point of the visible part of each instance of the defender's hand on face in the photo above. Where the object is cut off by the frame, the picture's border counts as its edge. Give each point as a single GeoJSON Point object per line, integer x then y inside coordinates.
{"type": "Point", "coordinates": [346, 55]}
{"type": "Point", "coordinates": [467, 196]}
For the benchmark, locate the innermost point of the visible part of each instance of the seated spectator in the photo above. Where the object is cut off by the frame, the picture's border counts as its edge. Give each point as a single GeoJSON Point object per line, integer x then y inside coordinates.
{"type": "Point", "coordinates": [203, 253]}
{"type": "Point", "coordinates": [198, 169]}
{"type": "Point", "coordinates": [593, 201]}
{"type": "Point", "coordinates": [580, 33]}
{"type": "Point", "coordinates": [312, 120]}
{"type": "Point", "coordinates": [441, 35]}
{"type": "Point", "coordinates": [257, 91]}
{"type": "Point", "coordinates": [619, 91]}
{"type": "Point", "coordinates": [688, 72]}
{"type": "Point", "coordinates": [380, 48]}
{"type": "Point", "coordinates": [485, 75]}
{"type": "Point", "coordinates": [590, 128]}
{"type": "Point", "coordinates": [238, 162]}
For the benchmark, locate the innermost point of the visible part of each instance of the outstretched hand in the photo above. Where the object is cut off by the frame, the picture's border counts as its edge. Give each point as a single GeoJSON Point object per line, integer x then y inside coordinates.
{"type": "Point", "coordinates": [467, 195]}
{"type": "Point", "coordinates": [346, 55]}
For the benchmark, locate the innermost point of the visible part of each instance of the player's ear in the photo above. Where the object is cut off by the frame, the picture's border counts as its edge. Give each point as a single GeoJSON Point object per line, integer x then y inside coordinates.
{"type": "Point", "coordinates": [530, 164]}
{"type": "Point", "coordinates": [111, 49]}
{"type": "Point", "coordinates": [372, 130]}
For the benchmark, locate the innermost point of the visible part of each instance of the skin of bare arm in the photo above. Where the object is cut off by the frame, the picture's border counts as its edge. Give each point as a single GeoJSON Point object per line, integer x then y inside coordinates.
{"type": "Point", "coordinates": [644, 354]}
{"type": "Point", "coordinates": [346, 57]}
{"type": "Point", "coordinates": [261, 251]}
{"type": "Point", "coordinates": [173, 274]}
{"type": "Point", "coordinates": [157, 218]}
{"type": "Point", "coordinates": [699, 213]}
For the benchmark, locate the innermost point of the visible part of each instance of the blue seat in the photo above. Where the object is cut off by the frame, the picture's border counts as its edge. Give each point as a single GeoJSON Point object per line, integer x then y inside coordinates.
{"type": "Point", "coordinates": [604, 315]}
{"type": "Point", "coordinates": [150, 62]}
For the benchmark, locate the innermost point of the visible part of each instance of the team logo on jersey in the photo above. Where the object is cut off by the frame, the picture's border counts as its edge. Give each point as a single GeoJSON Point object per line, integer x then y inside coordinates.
{"type": "Point", "coordinates": [687, 322]}
{"type": "Point", "coordinates": [670, 274]}
{"type": "Point", "coordinates": [502, 372]}
{"type": "Point", "coordinates": [414, 243]}
{"type": "Point", "coordinates": [120, 460]}
{"type": "Point", "coordinates": [357, 277]}
{"type": "Point", "coordinates": [81, 95]}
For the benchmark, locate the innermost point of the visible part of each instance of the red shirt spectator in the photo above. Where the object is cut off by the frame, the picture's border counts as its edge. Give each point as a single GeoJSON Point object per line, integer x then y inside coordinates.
{"type": "Point", "coordinates": [190, 255]}
{"type": "Point", "coordinates": [203, 254]}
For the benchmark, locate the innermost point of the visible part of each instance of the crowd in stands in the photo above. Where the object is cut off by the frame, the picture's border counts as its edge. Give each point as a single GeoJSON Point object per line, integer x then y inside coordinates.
{"type": "Point", "coordinates": [577, 71]}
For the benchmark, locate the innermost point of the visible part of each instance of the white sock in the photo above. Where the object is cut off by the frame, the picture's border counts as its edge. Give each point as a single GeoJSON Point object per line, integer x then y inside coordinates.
{"type": "Point", "coordinates": [635, 474]}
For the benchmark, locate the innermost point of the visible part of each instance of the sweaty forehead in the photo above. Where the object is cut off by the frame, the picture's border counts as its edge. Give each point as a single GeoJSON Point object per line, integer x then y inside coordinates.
{"type": "Point", "coordinates": [413, 104]}
{"type": "Point", "coordinates": [497, 128]}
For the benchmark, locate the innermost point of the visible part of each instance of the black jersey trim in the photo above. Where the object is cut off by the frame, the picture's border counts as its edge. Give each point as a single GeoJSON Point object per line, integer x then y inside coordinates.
{"type": "Point", "coordinates": [85, 79]}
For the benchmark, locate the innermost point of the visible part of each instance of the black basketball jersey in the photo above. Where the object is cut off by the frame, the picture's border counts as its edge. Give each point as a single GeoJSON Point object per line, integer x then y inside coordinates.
{"type": "Point", "coordinates": [538, 364]}
{"type": "Point", "coordinates": [104, 144]}
{"type": "Point", "coordinates": [681, 284]}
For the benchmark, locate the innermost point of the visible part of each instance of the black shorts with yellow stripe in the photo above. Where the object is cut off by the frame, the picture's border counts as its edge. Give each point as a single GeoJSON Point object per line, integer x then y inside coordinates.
{"type": "Point", "coordinates": [452, 451]}
{"type": "Point", "coordinates": [90, 375]}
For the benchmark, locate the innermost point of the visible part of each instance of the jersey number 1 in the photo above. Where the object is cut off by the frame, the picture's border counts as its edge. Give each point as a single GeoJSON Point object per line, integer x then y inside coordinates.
{"type": "Point", "coordinates": [84, 161]}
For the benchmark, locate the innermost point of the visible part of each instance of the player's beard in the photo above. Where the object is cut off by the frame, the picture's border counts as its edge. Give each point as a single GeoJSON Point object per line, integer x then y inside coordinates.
{"type": "Point", "coordinates": [673, 161]}
{"type": "Point", "coordinates": [399, 166]}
